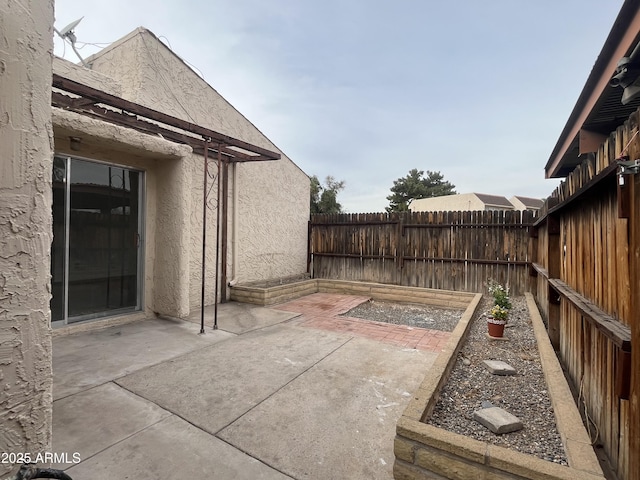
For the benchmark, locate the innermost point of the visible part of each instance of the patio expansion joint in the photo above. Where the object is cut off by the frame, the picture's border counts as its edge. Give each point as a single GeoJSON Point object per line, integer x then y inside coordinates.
{"type": "Point", "coordinates": [249, 454]}
{"type": "Point", "coordinates": [176, 414]}
{"type": "Point", "coordinates": [215, 434]}
{"type": "Point", "coordinates": [284, 385]}
{"type": "Point", "coordinates": [168, 416]}
{"type": "Point", "coordinates": [88, 389]}
{"type": "Point", "coordinates": [151, 365]}
{"type": "Point", "coordinates": [268, 397]}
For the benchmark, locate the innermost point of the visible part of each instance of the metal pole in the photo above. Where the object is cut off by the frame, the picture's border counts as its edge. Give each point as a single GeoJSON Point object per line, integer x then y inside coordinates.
{"type": "Point", "coordinates": [215, 305]}
{"type": "Point", "coordinates": [204, 232]}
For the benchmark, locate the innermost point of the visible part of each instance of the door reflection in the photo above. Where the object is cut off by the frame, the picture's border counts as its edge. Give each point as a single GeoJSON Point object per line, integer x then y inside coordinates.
{"type": "Point", "coordinates": [102, 223]}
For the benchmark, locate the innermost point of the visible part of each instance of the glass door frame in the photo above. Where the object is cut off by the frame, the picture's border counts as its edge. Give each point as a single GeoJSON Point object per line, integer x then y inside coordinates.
{"type": "Point", "coordinates": [141, 236]}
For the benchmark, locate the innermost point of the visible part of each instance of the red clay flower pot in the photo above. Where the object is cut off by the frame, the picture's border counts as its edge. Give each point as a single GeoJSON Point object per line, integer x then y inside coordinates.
{"type": "Point", "coordinates": [496, 327]}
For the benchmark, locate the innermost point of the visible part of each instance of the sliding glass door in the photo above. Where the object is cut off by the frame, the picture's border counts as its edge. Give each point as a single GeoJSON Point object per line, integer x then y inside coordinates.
{"type": "Point", "coordinates": [96, 257]}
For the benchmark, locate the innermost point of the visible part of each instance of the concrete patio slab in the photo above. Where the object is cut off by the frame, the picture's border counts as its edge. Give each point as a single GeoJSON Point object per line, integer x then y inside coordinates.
{"type": "Point", "coordinates": [173, 449]}
{"type": "Point", "coordinates": [214, 386]}
{"type": "Point", "coordinates": [77, 428]}
{"type": "Point", "coordinates": [240, 318]}
{"type": "Point", "coordinates": [338, 419]}
{"type": "Point", "coordinates": [104, 355]}
{"type": "Point", "coordinates": [153, 399]}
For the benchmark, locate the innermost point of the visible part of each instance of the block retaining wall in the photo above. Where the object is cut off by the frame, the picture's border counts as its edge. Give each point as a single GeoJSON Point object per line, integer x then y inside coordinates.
{"type": "Point", "coordinates": [423, 451]}
{"type": "Point", "coordinates": [377, 291]}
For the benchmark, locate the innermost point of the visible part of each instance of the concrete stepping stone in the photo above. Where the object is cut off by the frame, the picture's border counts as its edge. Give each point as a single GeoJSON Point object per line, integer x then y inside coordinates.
{"type": "Point", "coordinates": [498, 367]}
{"type": "Point", "coordinates": [497, 420]}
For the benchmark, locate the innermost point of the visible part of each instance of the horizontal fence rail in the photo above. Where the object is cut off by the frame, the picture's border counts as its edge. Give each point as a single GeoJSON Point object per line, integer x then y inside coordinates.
{"type": "Point", "coordinates": [446, 250]}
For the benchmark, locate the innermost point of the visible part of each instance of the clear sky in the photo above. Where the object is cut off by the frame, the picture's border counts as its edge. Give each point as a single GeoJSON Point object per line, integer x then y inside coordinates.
{"type": "Point", "coordinates": [366, 90]}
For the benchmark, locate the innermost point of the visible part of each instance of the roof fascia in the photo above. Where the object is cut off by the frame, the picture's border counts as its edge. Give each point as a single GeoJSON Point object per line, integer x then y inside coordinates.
{"type": "Point", "coordinates": [620, 42]}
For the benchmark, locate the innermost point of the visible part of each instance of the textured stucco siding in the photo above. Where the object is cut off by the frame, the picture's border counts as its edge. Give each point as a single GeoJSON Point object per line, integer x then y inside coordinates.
{"type": "Point", "coordinates": [448, 203]}
{"type": "Point", "coordinates": [26, 46]}
{"type": "Point", "coordinates": [167, 168]}
{"type": "Point", "coordinates": [194, 280]}
{"type": "Point", "coordinates": [79, 74]}
{"type": "Point", "coordinates": [273, 211]}
{"type": "Point", "coordinates": [273, 197]}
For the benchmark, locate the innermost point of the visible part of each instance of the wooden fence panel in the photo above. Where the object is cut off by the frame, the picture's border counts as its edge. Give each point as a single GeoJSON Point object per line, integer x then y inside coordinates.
{"type": "Point", "coordinates": [442, 250]}
{"type": "Point", "coordinates": [595, 317]}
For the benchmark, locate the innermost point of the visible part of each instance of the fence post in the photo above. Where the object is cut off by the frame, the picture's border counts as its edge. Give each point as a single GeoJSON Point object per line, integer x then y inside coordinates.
{"type": "Point", "coordinates": [309, 247]}
{"type": "Point", "coordinates": [554, 256]}
{"type": "Point", "coordinates": [399, 247]}
{"type": "Point", "coordinates": [634, 269]}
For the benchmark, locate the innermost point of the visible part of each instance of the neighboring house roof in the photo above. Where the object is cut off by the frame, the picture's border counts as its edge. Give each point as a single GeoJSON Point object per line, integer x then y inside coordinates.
{"type": "Point", "coordinates": [494, 200]}
{"type": "Point", "coordinates": [528, 202]}
{"type": "Point", "coordinates": [472, 201]}
{"type": "Point", "coordinates": [599, 109]}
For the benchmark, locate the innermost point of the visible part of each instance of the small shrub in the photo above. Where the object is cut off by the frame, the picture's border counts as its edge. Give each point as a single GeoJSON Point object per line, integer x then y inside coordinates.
{"type": "Point", "coordinates": [500, 294]}
{"type": "Point", "coordinates": [498, 312]}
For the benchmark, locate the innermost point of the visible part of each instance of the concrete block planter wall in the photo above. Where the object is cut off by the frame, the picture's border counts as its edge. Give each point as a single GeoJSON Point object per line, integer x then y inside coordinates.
{"type": "Point", "coordinates": [423, 451]}
{"type": "Point", "coordinates": [377, 291]}
{"type": "Point", "coordinates": [271, 295]}
{"type": "Point", "coordinates": [426, 452]}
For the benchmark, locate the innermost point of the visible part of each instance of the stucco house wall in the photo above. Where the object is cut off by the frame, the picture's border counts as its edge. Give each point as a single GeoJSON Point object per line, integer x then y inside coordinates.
{"type": "Point", "coordinates": [465, 201]}
{"type": "Point", "coordinates": [268, 201]}
{"type": "Point", "coordinates": [25, 227]}
{"type": "Point", "coordinates": [271, 202]}
{"type": "Point", "coordinates": [461, 202]}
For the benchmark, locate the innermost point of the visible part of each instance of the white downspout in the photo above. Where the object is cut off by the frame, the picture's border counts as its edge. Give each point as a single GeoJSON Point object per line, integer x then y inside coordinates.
{"type": "Point", "coordinates": [234, 227]}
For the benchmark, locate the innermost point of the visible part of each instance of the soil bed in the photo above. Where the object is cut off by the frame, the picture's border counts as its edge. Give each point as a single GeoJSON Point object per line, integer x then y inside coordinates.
{"type": "Point", "coordinates": [470, 383]}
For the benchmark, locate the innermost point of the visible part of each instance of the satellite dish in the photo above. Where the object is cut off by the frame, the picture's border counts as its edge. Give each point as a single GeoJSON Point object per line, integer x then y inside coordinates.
{"type": "Point", "coordinates": [67, 34]}
{"type": "Point", "coordinates": [69, 28]}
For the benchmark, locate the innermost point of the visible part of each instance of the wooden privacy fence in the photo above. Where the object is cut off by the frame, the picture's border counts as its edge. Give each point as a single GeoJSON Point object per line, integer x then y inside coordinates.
{"type": "Point", "coordinates": [587, 291]}
{"type": "Point", "coordinates": [444, 250]}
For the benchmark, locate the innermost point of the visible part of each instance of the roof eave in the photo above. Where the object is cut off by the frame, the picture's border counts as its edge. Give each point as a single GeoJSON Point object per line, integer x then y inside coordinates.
{"type": "Point", "coordinates": [619, 42]}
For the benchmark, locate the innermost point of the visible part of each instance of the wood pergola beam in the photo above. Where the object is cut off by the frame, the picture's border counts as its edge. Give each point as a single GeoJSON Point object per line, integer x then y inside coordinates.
{"type": "Point", "coordinates": [90, 109]}
{"type": "Point", "coordinates": [92, 96]}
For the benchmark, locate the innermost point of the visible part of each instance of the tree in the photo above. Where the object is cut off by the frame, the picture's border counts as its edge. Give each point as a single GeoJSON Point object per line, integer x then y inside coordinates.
{"type": "Point", "coordinates": [414, 186]}
{"type": "Point", "coordinates": [324, 199]}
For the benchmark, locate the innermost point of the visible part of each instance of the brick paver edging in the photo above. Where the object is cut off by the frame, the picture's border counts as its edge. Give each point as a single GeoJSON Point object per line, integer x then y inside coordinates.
{"type": "Point", "coordinates": [324, 311]}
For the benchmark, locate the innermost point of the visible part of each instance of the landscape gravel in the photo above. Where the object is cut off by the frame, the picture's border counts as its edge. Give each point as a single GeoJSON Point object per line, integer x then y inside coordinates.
{"type": "Point", "coordinates": [470, 386]}
{"type": "Point", "coordinates": [422, 316]}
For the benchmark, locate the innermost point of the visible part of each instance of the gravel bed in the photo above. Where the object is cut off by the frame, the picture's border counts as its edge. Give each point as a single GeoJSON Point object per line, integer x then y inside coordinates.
{"type": "Point", "coordinates": [524, 394]}
{"type": "Point", "coordinates": [470, 383]}
{"type": "Point", "coordinates": [422, 316]}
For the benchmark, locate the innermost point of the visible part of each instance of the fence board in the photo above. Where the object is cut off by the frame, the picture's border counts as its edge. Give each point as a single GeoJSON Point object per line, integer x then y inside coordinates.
{"type": "Point", "coordinates": [595, 252]}
{"type": "Point", "coordinates": [444, 250]}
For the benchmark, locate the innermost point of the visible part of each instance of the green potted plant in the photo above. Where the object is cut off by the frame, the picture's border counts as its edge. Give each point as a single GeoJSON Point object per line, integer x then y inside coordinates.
{"type": "Point", "coordinates": [499, 313]}
{"type": "Point", "coordinates": [497, 320]}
